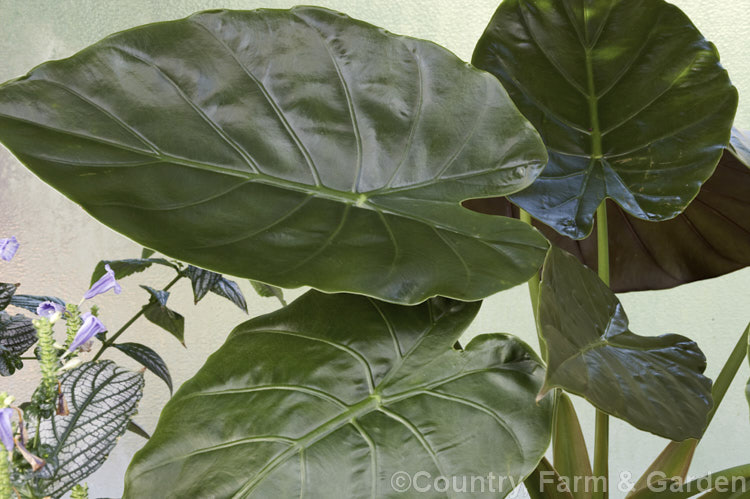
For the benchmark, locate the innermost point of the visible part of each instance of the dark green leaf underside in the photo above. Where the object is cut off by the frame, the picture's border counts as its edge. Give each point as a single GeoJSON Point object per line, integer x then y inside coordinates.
{"type": "Point", "coordinates": [331, 395]}
{"type": "Point", "coordinates": [295, 147]}
{"type": "Point", "coordinates": [709, 239]}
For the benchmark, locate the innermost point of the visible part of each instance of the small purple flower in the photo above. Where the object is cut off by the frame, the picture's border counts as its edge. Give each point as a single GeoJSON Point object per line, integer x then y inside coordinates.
{"type": "Point", "coordinates": [91, 327]}
{"type": "Point", "coordinates": [8, 248]}
{"type": "Point", "coordinates": [104, 284]}
{"type": "Point", "coordinates": [49, 310]}
{"type": "Point", "coordinates": [6, 430]}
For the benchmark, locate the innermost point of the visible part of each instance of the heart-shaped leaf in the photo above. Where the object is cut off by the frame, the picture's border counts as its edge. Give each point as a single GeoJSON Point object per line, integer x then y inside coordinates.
{"type": "Point", "coordinates": [101, 398]}
{"type": "Point", "coordinates": [296, 147]}
{"type": "Point", "coordinates": [628, 96]}
{"type": "Point", "coordinates": [709, 239]}
{"type": "Point", "coordinates": [654, 383]}
{"type": "Point", "coordinates": [332, 395]}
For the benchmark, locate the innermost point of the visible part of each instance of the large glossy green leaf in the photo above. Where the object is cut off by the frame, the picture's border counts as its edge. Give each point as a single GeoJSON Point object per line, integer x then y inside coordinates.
{"type": "Point", "coordinates": [102, 397]}
{"type": "Point", "coordinates": [628, 96]}
{"type": "Point", "coordinates": [675, 460]}
{"type": "Point", "coordinates": [295, 147]}
{"type": "Point", "coordinates": [654, 383]}
{"type": "Point", "coordinates": [332, 395]}
{"type": "Point", "coordinates": [709, 239]}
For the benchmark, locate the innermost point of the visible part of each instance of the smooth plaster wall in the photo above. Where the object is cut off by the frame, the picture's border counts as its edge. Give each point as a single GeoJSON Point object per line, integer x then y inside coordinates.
{"type": "Point", "coordinates": [61, 244]}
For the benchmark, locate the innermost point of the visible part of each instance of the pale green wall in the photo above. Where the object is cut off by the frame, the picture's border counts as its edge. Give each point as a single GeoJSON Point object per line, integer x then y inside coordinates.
{"type": "Point", "coordinates": [61, 243]}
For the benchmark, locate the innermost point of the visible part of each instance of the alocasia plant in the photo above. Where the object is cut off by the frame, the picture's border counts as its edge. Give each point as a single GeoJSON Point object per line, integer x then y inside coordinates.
{"type": "Point", "coordinates": [303, 147]}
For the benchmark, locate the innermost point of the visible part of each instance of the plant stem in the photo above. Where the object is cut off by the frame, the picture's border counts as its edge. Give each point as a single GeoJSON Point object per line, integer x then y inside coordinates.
{"type": "Point", "coordinates": [601, 445]}
{"type": "Point", "coordinates": [728, 372]}
{"type": "Point", "coordinates": [602, 242]}
{"type": "Point", "coordinates": [111, 341]}
{"type": "Point", "coordinates": [534, 283]}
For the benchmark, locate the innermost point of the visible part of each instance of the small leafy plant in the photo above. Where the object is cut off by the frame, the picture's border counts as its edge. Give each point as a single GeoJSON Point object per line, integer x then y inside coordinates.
{"type": "Point", "coordinates": [305, 148]}
{"type": "Point", "coordinates": [80, 408]}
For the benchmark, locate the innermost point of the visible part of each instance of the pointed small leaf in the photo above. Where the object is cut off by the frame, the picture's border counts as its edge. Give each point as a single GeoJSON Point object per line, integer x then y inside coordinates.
{"type": "Point", "coordinates": [157, 312]}
{"type": "Point", "coordinates": [134, 427]}
{"type": "Point", "coordinates": [124, 268]}
{"type": "Point", "coordinates": [7, 290]}
{"type": "Point", "coordinates": [268, 291]}
{"type": "Point", "coordinates": [17, 335]}
{"type": "Point", "coordinates": [654, 383]}
{"type": "Point", "coordinates": [332, 395]}
{"type": "Point", "coordinates": [102, 397]}
{"type": "Point", "coordinates": [159, 296]}
{"type": "Point", "coordinates": [294, 147]}
{"type": "Point", "coordinates": [202, 280]}
{"type": "Point", "coordinates": [628, 96]}
{"type": "Point", "coordinates": [149, 358]}
{"type": "Point", "coordinates": [231, 291]}
{"type": "Point", "coordinates": [31, 302]}
{"type": "Point", "coordinates": [147, 253]}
